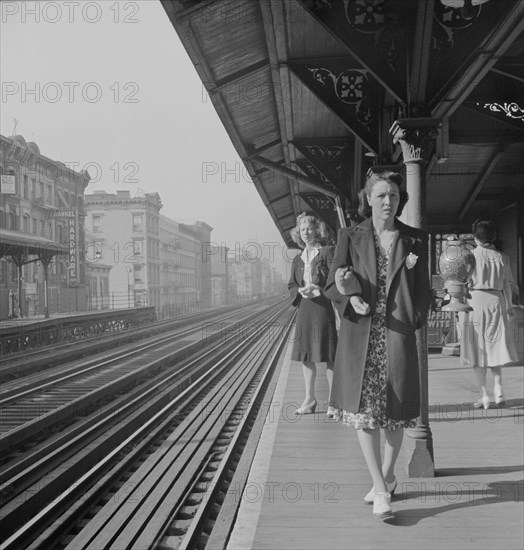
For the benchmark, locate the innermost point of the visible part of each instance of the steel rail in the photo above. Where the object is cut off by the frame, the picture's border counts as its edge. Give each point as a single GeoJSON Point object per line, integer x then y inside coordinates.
{"type": "Point", "coordinates": [14, 477]}
{"type": "Point", "coordinates": [47, 379]}
{"type": "Point", "coordinates": [17, 366]}
{"type": "Point", "coordinates": [160, 483]}
{"type": "Point", "coordinates": [10, 476]}
{"type": "Point", "coordinates": [210, 498]}
{"type": "Point", "coordinates": [83, 480]}
{"type": "Point", "coordinates": [63, 407]}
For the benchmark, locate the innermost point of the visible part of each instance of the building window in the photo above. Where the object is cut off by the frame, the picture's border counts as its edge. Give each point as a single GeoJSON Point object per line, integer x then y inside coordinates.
{"type": "Point", "coordinates": [11, 220]}
{"type": "Point", "coordinates": [97, 223]}
{"type": "Point", "coordinates": [138, 222]}
{"type": "Point", "coordinates": [138, 273]}
{"type": "Point", "coordinates": [26, 223]}
{"type": "Point", "coordinates": [94, 251]}
{"type": "Point", "coordinates": [3, 271]}
{"type": "Point", "coordinates": [26, 186]}
{"type": "Point", "coordinates": [35, 226]}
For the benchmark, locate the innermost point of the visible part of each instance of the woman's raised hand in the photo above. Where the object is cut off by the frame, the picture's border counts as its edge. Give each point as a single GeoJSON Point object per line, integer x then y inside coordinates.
{"type": "Point", "coordinates": [344, 280]}
{"type": "Point", "coordinates": [360, 307]}
{"type": "Point", "coordinates": [309, 291]}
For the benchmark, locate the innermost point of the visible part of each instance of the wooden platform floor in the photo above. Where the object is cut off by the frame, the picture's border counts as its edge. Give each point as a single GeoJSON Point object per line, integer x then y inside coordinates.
{"type": "Point", "coordinates": [308, 478]}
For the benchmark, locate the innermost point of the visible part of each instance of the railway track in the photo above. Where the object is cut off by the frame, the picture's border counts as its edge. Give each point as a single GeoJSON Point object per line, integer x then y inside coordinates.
{"type": "Point", "coordinates": [169, 435]}
{"type": "Point", "coordinates": [36, 403]}
{"type": "Point", "coordinates": [18, 365]}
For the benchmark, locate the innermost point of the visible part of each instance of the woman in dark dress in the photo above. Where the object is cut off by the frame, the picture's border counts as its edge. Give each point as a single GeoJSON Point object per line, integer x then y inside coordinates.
{"type": "Point", "coordinates": [379, 282]}
{"type": "Point", "coordinates": [315, 332]}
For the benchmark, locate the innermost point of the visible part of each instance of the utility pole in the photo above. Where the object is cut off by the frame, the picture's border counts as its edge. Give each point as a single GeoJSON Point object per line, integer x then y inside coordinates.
{"type": "Point", "coordinates": [226, 289]}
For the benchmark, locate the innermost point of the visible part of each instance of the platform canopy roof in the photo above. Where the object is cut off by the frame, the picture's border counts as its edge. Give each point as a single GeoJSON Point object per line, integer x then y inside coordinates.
{"type": "Point", "coordinates": [23, 245]}
{"type": "Point", "coordinates": [308, 91]}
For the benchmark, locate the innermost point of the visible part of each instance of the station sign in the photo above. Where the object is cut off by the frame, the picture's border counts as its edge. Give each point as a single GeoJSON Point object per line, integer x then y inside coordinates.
{"type": "Point", "coordinates": [71, 218]}
{"type": "Point", "coordinates": [441, 328]}
{"type": "Point", "coordinates": [8, 186]}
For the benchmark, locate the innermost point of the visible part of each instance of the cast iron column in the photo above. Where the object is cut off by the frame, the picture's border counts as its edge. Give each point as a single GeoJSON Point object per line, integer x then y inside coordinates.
{"type": "Point", "coordinates": [416, 136]}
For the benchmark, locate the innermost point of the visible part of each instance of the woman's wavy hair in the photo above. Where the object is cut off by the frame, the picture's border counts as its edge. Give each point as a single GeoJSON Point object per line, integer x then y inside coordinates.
{"type": "Point", "coordinates": [485, 231]}
{"type": "Point", "coordinates": [391, 177]}
{"type": "Point", "coordinates": [320, 228]}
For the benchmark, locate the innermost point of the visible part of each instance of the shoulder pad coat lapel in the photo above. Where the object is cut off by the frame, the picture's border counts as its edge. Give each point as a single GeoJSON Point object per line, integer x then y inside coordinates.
{"type": "Point", "coordinates": [400, 248]}
{"type": "Point", "coordinates": [364, 243]}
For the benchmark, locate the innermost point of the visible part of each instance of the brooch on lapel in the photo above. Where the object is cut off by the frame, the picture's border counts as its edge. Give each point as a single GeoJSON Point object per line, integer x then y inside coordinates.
{"type": "Point", "coordinates": [411, 260]}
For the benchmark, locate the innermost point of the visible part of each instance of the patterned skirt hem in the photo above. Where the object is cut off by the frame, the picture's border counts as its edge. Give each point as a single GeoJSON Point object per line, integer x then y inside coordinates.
{"type": "Point", "coordinates": [362, 421]}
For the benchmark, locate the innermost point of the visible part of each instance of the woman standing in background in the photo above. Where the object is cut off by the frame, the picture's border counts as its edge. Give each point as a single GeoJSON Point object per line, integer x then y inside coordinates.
{"type": "Point", "coordinates": [315, 330]}
{"type": "Point", "coordinates": [486, 338]}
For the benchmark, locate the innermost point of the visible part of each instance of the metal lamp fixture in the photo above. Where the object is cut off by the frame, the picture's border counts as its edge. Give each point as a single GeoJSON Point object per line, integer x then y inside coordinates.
{"type": "Point", "coordinates": [467, 9]}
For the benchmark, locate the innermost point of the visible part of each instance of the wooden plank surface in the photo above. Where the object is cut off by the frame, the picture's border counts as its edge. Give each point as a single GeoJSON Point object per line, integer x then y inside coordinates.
{"type": "Point", "coordinates": [308, 478]}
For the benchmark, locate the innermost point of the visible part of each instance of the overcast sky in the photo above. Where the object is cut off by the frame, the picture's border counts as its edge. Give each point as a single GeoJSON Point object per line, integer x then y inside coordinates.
{"type": "Point", "coordinates": [108, 86]}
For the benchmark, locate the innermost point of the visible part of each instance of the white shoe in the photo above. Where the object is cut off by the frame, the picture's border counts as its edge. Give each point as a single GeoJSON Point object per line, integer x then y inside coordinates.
{"type": "Point", "coordinates": [481, 402]}
{"type": "Point", "coordinates": [370, 497]}
{"type": "Point", "coordinates": [499, 396]}
{"type": "Point", "coordinates": [381, 507]}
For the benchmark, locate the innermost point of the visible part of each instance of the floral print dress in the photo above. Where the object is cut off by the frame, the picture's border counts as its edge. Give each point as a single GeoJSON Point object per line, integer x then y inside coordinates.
{"type": "Point", "coordinates": [372, 408]}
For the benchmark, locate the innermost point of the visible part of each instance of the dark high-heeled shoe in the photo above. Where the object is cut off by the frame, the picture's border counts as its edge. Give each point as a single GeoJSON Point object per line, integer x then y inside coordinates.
{"type": "Point", "coordinates": [307, 409]}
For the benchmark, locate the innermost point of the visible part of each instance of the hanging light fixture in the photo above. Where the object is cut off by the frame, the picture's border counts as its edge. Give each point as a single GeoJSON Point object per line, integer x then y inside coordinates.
{"type": "Point", "coordinates": [467, 7]}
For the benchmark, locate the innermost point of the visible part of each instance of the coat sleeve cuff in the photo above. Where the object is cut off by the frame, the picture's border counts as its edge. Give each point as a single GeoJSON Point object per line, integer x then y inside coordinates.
{"type": "Point", "coordinates": [352, 286]}
{"type": "Point", "coordinates": [348, 311]}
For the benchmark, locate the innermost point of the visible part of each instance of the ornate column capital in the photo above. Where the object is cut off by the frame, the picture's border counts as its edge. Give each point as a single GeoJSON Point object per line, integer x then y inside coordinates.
{"type": "Point", "coordinates": [416, 137]}
{"type": "Point", "coordinates": [384, 167]}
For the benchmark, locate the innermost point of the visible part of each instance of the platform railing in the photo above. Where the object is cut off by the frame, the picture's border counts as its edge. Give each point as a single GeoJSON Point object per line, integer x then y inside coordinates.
{"type": "Point", "coordinates": [57, 330]}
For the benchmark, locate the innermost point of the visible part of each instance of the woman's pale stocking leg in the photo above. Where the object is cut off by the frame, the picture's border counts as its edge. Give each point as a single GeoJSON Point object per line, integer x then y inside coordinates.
{"type": "Point", "coordinates": [480, 373]}
{"type": "Point", "coordinates": [497, 384]}
{"type": "Point", "coordinates": [309, 370]}
{"type": "Point", "coordinates": [329, 376]}
{"type": "Point", "coordinates": [497, 376]}
{"type": "Point", "coordinates": [391, 451]}
{"type": "Point", "coordinates": [370, 444]}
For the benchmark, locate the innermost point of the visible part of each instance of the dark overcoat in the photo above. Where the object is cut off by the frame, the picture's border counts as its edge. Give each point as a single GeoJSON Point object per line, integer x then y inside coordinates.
{"type": "Point", "coordinates": [315, 336]}
{"type": "Point", "coordinates": [408, 297]}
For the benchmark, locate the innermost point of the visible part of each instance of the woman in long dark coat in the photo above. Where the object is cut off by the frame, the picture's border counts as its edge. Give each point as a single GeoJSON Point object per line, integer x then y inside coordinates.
{"type": "Point", "coordinates": [315, 330]}
{"type": "Point", "coordinates": [379, 282]}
